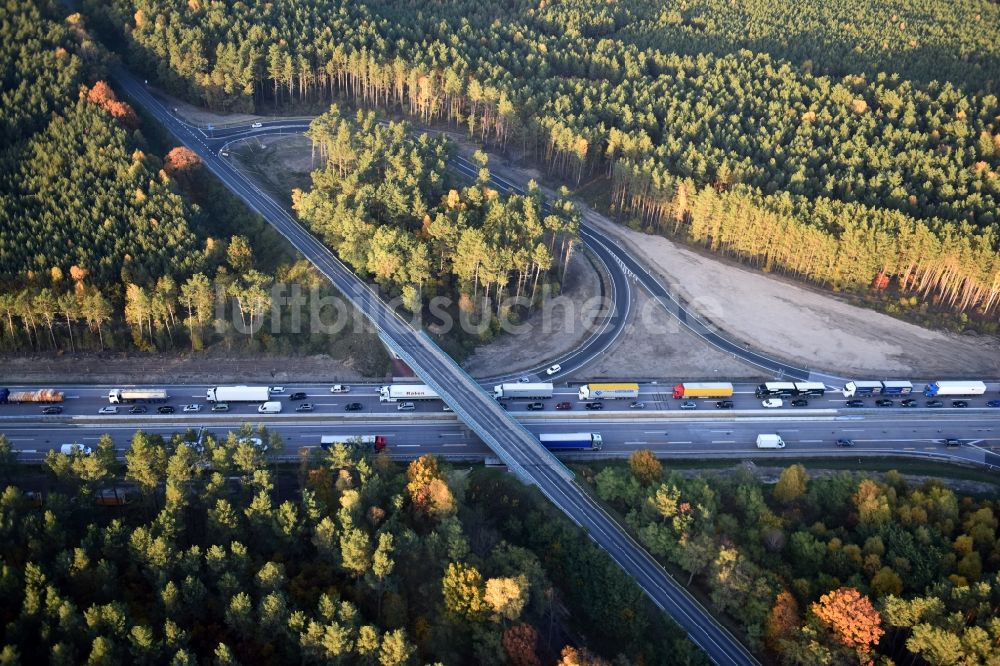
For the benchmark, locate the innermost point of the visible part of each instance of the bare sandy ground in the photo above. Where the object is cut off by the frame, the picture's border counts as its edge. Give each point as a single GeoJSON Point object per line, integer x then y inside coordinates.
{"type": "Point", "coordinates": [544, 337]}
{"type": "Point", "coordinates": [655, 346]}
{"type": "Point", "coordinates": [163, 369]}
{"type": "Point", "coordinates": [803, 325]}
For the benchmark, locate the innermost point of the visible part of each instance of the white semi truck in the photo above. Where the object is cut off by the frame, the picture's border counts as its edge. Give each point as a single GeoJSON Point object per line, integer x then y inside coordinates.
{"type": "Point", "coordinates": [397, 392]}
{"type": "Point", "coordinates": [238, 394]}
{"type": "Point", "coordinates": [124, 396]}
{"type": "Point", "coordinates": [954, 388]}
{"type": "Point", "coordinates": [523, 390]}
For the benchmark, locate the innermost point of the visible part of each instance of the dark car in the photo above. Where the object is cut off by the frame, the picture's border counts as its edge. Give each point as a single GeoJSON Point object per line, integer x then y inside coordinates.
{"type": "Point", "coordinates": [564, 405]}
{"type": "Point", "coordinates": [298, 395]}
{"type": "Point", "coordinates": [855, 403]}
{"type": "Point", "coordinates": [52, 409]}
{"type": "Point", "coordinates": [935, 403]}
{"type": "Point", "coordinates": [884, 402]}
{"type": "Point", "coordinates": [959, 403]}
{"type": "Point", "coordinates": [800, 402]}
{"type": "Point", "coordinates": [952, 443]}
{"type": "Point", "coordinates": [724, 404]}
{"type": "Point", "coordinates": [137, 409]}
{"type": "Point", "coordinates": [305, 407]}
{"type": "Point", "coordinates": [845, 442]}
{"type": "Point", "coordinates": [637, 405]}
{"type": "Point", "coordinates": [536, 406]}
{"type": "Point", "coordinates": [909, 402]}
{"type": "Point", "coordinates": [352, 407]}
{"type": "Point", "coordinates": [165, 409]}
{"type": "Point", "coordinates": [595, 405]}
{"type": "Point", "coordinates": [993, 403]}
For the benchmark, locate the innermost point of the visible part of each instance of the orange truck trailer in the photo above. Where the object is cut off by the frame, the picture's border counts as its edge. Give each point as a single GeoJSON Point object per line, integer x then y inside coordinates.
{"type": "Point", "coordinates": [703, 390]}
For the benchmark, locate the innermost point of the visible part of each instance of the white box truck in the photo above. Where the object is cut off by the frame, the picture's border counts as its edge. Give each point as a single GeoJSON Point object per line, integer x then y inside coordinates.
{"type": "Point", "coordinates": [270, 407]}
{"type": "Point", "coordinates": [523, 390]}
{"type": "Point", "coordinates": [238, 394]}
{"type": "Point", "coordinates": [770, 442]}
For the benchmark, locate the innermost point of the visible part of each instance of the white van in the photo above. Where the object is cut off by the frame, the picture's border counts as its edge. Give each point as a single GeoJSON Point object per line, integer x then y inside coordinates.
{"type": "Point", "coordinates": [70, 449]}
{"type": "Point", "coordinates": [770, 442]}
{"type": "Point", "coordinates": [270, 407]}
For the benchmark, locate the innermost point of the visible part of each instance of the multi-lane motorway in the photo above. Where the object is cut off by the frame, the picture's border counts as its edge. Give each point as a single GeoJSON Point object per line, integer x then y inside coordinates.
{"type": "Point", "coordinates": [517, 447]}
{"type": "Point", "coordinates": [660, 425]}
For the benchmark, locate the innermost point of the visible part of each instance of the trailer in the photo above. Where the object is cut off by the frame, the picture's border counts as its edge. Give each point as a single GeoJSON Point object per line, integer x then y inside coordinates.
{"type": "Point", "coordinates": [953, 388]}
{"type": "Point", "coordinates": [38, 396]}
{"type": "Point", "coordinates": [523, 390]}
{"type": "Point", "coordinates": [614, 391]}
{"type": "Point", "coordinates": [376, 442]}
{"type": "Point", "coordinates": [396, 392]}
{"type": "Point", "coordinates": [897, 388]}
{"type": "Point", "coordinates": [572, 441]}
{"type": "Point", "coordinates": [703, 390]}
{"type": "Point", "coordinates": [862, 388]}
{"type": "Point", "coordinates": [815, 389]}
{"type": "Point", "coordinates": [238, 394]}
{"type": "Point", "coordinates": [775, 389]}
{"type": "Point", "coordinates": [129, 395]}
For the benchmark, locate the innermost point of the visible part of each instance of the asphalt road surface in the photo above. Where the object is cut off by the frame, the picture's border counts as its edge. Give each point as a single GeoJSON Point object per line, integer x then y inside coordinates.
{"type": "Point", "coordinates": [518, 448]}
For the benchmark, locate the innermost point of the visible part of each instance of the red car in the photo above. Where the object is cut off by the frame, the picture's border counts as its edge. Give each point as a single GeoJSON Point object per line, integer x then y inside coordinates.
{"type": "Point", "coordinates": [564, 405]}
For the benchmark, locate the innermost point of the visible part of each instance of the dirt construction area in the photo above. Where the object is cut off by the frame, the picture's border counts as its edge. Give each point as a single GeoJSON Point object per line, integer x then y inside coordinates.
{"type": "Point", "coordinates": [802, 325]}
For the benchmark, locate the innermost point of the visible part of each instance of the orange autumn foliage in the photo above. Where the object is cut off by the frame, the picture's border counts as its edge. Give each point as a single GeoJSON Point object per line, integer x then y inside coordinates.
{"type": "Point", "coordinates": [852, 618]}
{"type": "Point", "coordinates": [103, 96]}
{"type": "Point", "coordinates": [180, 159]}
{"type": "Point", "coordinates": [519, 643]}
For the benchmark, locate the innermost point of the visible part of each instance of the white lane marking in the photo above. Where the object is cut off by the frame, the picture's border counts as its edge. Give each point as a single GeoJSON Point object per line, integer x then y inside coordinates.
{"type": "Point", "coordinates": [441, 445]}
{"type": "Point", "coordinates": [723, 441]}
{"type": "Point", "coordinates": [407, 446]}
{"type": "Point", "coordinates": [27, 451]}
{"type": "Point", "coordinates": [673, 442]}
{"type": "Point", "coordinates": [852, 429]}
{"type": "Point", "coordinates": [451, 434]}
{"type": "Point", "coordinates": [810, 441]}
{"type": "Point", "coordinates": [635, 443]}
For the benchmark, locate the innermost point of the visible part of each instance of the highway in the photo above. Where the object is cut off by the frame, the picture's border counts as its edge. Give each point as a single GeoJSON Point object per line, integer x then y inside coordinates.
{"type": "Point", "coordinates": [84, 400]}
{"type": "Point", "coordinates": [516, 446]}
{"type": "Point", "coordinates": [708, 435]}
